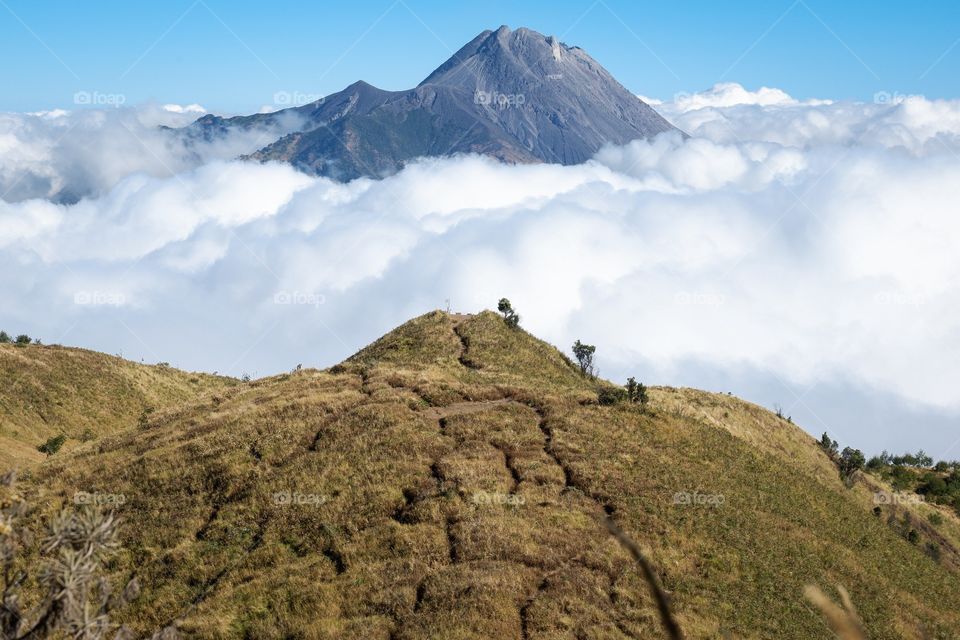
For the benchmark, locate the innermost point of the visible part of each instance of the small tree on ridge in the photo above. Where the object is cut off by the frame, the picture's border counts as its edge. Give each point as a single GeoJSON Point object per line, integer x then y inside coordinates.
{"type": "Point", "coordinates": [511, 317]}
{"type": "Point", "coordinates": [584, 355]}
{"type": "Point", "coordinates": [637, 393]}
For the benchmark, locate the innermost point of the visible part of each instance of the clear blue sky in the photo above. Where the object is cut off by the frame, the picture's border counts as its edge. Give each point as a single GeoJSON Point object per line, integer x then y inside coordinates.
{"type": "Point", "coordinates": [234, 55]}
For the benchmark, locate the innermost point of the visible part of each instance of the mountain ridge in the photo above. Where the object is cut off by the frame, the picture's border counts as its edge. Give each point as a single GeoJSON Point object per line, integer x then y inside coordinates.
{"type": "Point", "coordinates": [515, 95]}
{"type": "Point", "coordinates": [451, 480]}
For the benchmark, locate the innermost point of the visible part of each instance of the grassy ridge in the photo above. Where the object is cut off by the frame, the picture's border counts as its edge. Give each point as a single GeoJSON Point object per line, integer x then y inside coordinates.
{"type": "Point", "coordinates": [51, 390]}
{"type": "Point", "coordinates": [450, 481]}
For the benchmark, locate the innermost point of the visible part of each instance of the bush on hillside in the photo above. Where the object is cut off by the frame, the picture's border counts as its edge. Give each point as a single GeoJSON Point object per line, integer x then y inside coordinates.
{"type": "Point", "coordinates": [52, 445]}
{"type": "Point", "coordinates": [830, 447]}
{"type": "Point", "coordinates": [851, 461]}
{"type": "Point", "coordinates": [23, 339]}
{"type": "Point", "coordinates": [5, 338]}
{"type": "Point", "coordinates": [637, 393]}
{"type": "Point", "coordinates": [144, 420]}
{"type": "Point", "coordinates": [933, 485]}
{"type": "Point", "coordinates": [611, 395]}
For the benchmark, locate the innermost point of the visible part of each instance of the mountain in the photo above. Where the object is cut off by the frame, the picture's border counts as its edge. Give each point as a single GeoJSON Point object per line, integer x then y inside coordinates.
{"type": "Point", "coordinates": [451, 481]}
{"type": "Point", "coordinates": [517, 96]}
{"type": "Point", "coordinates": [81, 394]}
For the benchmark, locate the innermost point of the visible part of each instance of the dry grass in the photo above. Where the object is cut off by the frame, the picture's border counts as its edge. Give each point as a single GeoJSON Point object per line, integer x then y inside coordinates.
{"type": "Point", "coordinates": [452, 481]}
{"type": "Point", "coordinates": [49, 390]}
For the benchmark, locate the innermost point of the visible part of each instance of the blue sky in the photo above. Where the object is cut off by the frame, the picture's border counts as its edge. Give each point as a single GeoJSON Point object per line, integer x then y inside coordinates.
{"type": "Point", "coordinates": [234, 56]}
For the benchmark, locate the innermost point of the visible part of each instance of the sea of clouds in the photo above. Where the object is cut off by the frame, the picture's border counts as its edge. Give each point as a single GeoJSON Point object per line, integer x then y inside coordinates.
{"type": "Point", "coordinates": [800, 252]}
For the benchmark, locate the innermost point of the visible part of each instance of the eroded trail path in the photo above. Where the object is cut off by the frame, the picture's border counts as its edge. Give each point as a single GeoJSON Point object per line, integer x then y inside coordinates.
{"type": "Point", "coordinates": [512, 512]}
{"type": "Point", "coordinates": [464, 408]}
{"type": "Point", "coordinates": [478, 516]}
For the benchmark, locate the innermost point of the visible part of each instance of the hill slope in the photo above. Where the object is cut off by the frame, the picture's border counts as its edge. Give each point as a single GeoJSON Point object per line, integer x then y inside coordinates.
{"type": "Point", "coordinates": [450, 481]}
{"type": "Point", "coordinates": [518, 96]}
{"type": "Point", "coordinates": [52, 390]}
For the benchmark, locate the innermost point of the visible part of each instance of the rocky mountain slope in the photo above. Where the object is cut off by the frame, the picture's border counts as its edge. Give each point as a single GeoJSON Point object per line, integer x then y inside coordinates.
{"type": "Point", "coordinates": [518, 96]}
{"type": "Point", "coordinates": [451, 481]}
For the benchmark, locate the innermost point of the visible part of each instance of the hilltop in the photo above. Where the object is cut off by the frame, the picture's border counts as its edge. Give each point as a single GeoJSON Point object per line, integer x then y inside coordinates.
{"type": "Point", "coordinates": [451, 480]}
{"type": "Point", "coordinates": [515, 95]}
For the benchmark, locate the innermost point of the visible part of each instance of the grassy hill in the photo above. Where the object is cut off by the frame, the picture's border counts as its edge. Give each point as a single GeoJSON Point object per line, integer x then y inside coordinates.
{"type": "Point", "coordinates": [52, 390]}
{"type": "Point", "coordinates": [451, 481]}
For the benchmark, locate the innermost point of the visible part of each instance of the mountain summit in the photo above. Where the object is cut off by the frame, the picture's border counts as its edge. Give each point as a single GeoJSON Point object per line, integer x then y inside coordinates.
{"type": "Point", "coordinates": [518, 96]}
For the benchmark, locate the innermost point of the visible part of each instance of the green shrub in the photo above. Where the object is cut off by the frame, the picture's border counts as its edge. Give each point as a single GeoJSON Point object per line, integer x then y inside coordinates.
{"type": "Point", "coordinates": [932, 485]}
{"type": "Point", "coordinates": [23, 339]}
{"type": "Point", "coordinates": [52, 445]}
{"type": "Point", "coordinates": [901, 478]}
{"type": "Point", "coordinates": [611, 395]}
{"type": "Point", "coordinates": [144, 418]}
{"type": "Point", "coordinates": [829, 446]}
{"type": "Point", "coordinates": [637, 393]}
{"type": "Point", "coordinates": [851, 461]}
{"type": "Point", "coordinates": [5, 338]}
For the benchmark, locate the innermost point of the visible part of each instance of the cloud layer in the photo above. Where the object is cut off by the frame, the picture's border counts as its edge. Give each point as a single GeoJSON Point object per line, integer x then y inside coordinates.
{"type": "Point", "coordinates": [813, 242]}
{"type": "Point", "coordinates": [68, 155]}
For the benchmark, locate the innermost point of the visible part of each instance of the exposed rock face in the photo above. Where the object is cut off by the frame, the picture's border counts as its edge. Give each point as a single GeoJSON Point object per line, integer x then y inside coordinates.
{"type": "Point", "coordinates": [517, 96]}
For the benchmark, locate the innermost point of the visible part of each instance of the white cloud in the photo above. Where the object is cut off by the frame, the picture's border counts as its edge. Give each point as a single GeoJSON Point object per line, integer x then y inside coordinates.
{"type": "Point", "coordinates": [731, 94]}
{"type": "Point", "coordinates": [195, 109]}
{"type": "Point", "coordinates": [813, 240]}
{"type": "Point", "coordinates": [68, 155]}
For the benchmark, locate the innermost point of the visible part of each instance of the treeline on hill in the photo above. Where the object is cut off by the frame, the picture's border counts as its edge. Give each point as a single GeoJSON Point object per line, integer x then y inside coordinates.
{"type": "Point", "coordinates": [916, 473]}
{"type": "Point", "coordinates": [6, 338]}
{"type": "Point", "coordinates": [938, 483]}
